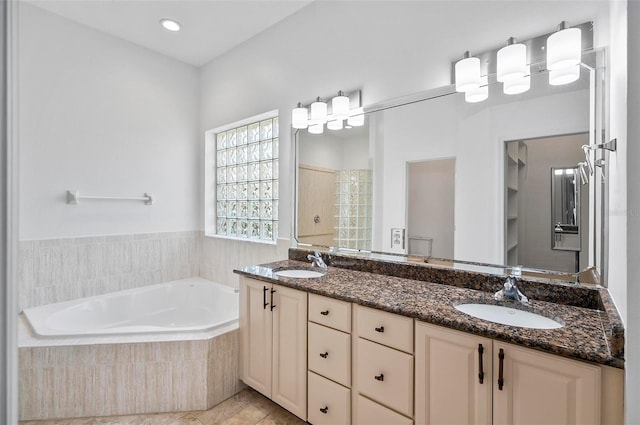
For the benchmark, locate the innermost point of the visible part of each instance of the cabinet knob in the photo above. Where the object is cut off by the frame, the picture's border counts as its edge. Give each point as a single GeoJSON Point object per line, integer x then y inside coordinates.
{"type": "Point", "coordinates": [325, 313]}
{"type": "Point", "coordinates": [379, 377]}
{"type": "Point", "coordinates": [324, 355]}
{"type": "Point", "coordinates": [324, 409]}
{"type": "Point", "coordinates": [380, 329]}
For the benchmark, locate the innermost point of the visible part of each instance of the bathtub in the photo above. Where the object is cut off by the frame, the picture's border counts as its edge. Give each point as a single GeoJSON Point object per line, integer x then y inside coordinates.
{"type": "Point", "coordinates": [168, 347]}
{"type": "Point", "coordinates": [187, 305]}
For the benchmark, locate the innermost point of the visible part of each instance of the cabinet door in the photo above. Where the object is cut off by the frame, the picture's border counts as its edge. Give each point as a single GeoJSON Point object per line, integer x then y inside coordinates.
{"type": "Point", "coordinates": [255, 329]}
{"type": "Point", "coordinates": [540, 388]}
{"type": "Point", "coordinates": [448, 388]}
{"type": "Point", "coordinates": [289, 384]}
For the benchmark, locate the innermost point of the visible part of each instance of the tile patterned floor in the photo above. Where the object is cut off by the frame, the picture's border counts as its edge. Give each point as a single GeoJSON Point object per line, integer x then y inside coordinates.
{"type": "Point", "coordinates": [245, 408]}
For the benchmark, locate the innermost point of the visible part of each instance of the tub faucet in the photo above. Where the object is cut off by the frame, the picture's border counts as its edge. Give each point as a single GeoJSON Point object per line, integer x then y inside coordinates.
{"type": "Point", "coordinates": [316, 259]}
{"type": "Point", "coordinates": [511, 292]}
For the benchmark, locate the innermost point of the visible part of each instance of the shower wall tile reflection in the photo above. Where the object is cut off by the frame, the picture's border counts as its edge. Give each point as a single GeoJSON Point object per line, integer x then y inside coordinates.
{"type": "Point", "coordinates": [57, 270]}
{"type": "Point", "coordinates": [353, 209]}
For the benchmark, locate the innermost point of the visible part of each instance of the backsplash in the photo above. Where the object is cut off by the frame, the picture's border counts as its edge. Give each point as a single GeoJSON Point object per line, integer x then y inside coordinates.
{"type": "Point", "coordinates": [55, 270]}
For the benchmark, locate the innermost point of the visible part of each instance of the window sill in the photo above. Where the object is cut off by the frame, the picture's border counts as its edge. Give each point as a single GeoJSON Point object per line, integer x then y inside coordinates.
{"type": "Point", "coordinates": [240, 239]}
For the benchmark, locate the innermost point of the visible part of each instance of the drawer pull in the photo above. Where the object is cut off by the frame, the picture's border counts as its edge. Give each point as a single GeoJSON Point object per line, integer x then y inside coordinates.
{"type": "Point", "coordinates": [379, 377]}
{"type": "Point", "coordinates": [500, 373]}
{"type": "Point", "coordinates": [325, 313]}
{"type": "Point", "coordinates": [272, 304]}
{"type": "Point", "coordinates": [264, 298]}
{"type": "Point", "coordinates": [324, 409]}
{"type": "Point", "coordinates": [380, 329]}
{"type": "Point", "coordinates": [480, 355]}
{"type": "Point", "coordinates": [324, 355]}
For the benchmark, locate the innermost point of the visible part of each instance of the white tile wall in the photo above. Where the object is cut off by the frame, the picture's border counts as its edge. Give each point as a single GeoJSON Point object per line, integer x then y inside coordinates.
{"type": "Point", "coordinates": [57, 270]}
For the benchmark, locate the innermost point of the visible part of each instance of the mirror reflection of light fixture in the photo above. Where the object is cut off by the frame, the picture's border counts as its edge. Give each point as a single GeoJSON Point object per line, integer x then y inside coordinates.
{"type": "Point", "coordinates": [564, 48]}
{"type": "Point", "coordinates": [518, 86]}
{"type": "Point", "coordinates": [340, 106]}
{"type": "Point", "coordinates": [299, 117]}
{"type": "Point", "coordinates": [511, 61]}
{"type": "Point", "coordinates": [356, 119]}
{"type": "Point", "coordinates": [316, 128]}
{"type": "Point", "coordinates": [318, 112]}
{"type": "Point", "coordinates": [559, 77]}
{"type": "Point", "coordinates": [479, 94]}
{"type": "Point", "coordinates": [334, 124]}
{"type": "Point", "coordinates": [467, 73]}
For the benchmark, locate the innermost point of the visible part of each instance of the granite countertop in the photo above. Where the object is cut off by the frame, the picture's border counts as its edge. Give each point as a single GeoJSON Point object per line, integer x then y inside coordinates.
{"type": "Point", "coordinates": [586, 334]}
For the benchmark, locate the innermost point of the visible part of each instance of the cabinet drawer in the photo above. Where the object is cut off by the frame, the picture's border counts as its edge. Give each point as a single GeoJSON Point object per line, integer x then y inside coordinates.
{"type": "Point", "coordinates": [385, 375]}
{"type": "Point", "coordinates": [386, 328]}
{"type": "Point", "coordinates": [371, 413]}
{"type": "Point", "coordinates": [329, 403]}
{"type": "Point", "coordinates": [329, 312]}
{"type": "Point", "coordinates": [330, 353]}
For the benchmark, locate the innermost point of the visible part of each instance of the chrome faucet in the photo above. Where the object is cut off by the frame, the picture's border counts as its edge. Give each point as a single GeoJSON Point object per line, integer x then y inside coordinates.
{"type": "Point", "coordinates": [316, 259]}
{"type": "Point", "coordinates": [511, 292]}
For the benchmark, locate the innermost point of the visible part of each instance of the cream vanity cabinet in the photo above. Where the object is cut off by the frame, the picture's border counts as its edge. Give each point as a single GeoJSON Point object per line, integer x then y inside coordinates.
{"type": "Point", "coordinates": [382, 391]}
{"type": "Point", "coordinates": [466, 379]}
{"type": "Point", "coordinates": [273, 338]}
{"type": "Point", "coordinates": [329, 361]}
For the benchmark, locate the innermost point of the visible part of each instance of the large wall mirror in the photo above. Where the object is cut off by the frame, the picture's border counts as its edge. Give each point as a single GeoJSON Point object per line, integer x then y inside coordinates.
{"type": "Point", "coordinates": [433, 176]}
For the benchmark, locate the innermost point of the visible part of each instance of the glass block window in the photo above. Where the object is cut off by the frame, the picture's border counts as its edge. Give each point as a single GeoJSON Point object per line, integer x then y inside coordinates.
{"type": "Point", "coordinates": [353, 209]}
{"type": "Point", "coordinates": [246, 170]}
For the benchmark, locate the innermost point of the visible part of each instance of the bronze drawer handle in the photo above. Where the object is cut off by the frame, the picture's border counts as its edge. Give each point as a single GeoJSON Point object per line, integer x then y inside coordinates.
{"type": "Point", "coordinates": [272, 304]}
{"type": "Point", "coordinates": [324, 409]}
{"type": "Point", "coordinates": [324, 355]}
{"type": "Point", "coordinates": [500, 373]}
{"type": "Point", "coordinates": [325, 313]}
{"type": "Point", "coordinates": [480, 355]}
{"type": "Point", "coordinates": [264, 298]}
{"type": "Point", "coordinates": [379, 377]}
{"type": "Point", "coordinates": [380, 329]}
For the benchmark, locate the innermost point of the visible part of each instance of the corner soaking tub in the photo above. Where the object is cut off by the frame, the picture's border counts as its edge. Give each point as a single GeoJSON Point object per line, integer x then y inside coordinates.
{"type": "Point", "coordinates": [187, 305]}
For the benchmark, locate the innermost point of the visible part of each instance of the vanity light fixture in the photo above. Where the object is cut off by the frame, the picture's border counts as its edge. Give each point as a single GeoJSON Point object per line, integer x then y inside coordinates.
{"type": "Point", "coordinates": [518, 86]}
{"type": "Point", "coordinates": [467, 73]}
{"type": "Point", "coordinates": [479, 94]}
{"type": "Point", "coordinates": [334, 124]}
{"type": "Point", "coordinates": [511, 61]}
{"type": "Point", "coordinates": [170, 24]}
{"type": "Point", "coordinates": [356, 119]}
{"type": "Point", "coordinates": [316, 128]}
{"type": "Point", "coordinates": [564, 48]}
{"type": "Point", "coordinates": [340, 106]}
{"type": "Point", "coordinates": [318, 112]}
{"type": "Point", "coordinates": [299, 117]}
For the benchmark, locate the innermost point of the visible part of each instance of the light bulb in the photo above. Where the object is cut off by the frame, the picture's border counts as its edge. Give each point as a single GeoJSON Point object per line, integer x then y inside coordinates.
{"type": "Point", "coordinates": [170, 25]}
{"type": "Point", "coordinates": [299, 117]}
{"type": "Point", "coordinates": [563, 76]}
{"type": "Point", "coordinates": [511, 62]}
{"type": "Point", "coordinates": [334, 124]}
{"type": "Point", "coordinates": [316, 129]}
{"type": "Point", "coordinates": [356, 117]}
{"type": "Point", "coordinates": [340, 106]}
{"type": "Point", "coordinates": [318, 112]}
{"type": "Point", "coordinates": [478, 94]}
{"type": "Point", "coordinates": [564, 48]}
{"type": "Point", "coordinates": [467, 71]}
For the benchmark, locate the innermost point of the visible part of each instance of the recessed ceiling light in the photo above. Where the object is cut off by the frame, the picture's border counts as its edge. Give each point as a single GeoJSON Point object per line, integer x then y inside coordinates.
{"type": "Point", "coordinates": [170, 25]}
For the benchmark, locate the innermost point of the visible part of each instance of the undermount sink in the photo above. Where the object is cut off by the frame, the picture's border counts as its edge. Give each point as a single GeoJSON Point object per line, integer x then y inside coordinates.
{"type": "Point", "coordinates": [299, 273]}
{"type": "Point", "coordinates": [508, 316]}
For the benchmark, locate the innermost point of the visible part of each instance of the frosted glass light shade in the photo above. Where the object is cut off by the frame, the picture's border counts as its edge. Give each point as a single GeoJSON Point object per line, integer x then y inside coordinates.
{"type": "Point", "coordinates": [467, 73]}
{"type": "Point", "coordinates": [299, 117]}
{"type": "Point", "coordinates": [356, 118]}
{"type": "Point", "coordinates": [318, 113]}
{"type": "Point", "coordinates": [340, 107]}
{"type": "Point", "coordinates": [316, 129]}
{"type": "Point", "coordinates": [563, 76]}
{"type": "Point", "coordinates": [334, 124]}
{"type": "Point", "coordinates": [478, 94]}
{"type": "Point", "coordinates": [511, 62]}
{"type": "Point", "coordinates": [518, 86]}
{"type": "Point", "coordinates": [564, 49]}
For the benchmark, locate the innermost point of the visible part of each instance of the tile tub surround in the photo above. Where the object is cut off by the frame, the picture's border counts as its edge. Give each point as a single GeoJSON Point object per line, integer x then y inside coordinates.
{"type": "Point", "coordinates": [57, 270]}
{"type": "Point", "coordinates": [585, 335]}
{"type": "Point", "coordinates": [71, 381]}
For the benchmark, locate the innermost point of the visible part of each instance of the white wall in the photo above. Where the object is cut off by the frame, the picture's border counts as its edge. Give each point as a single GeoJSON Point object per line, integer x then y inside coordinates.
{"type": "Point", "coordinates": [105, 117]}
{"type": "Point", "coordinates": [330, 151]}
